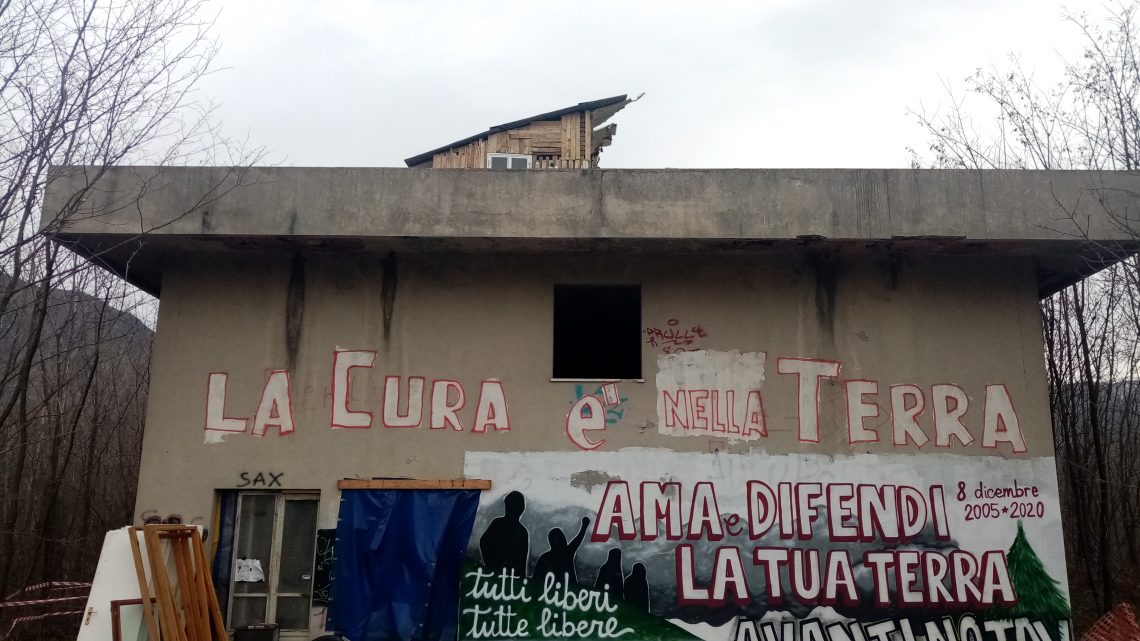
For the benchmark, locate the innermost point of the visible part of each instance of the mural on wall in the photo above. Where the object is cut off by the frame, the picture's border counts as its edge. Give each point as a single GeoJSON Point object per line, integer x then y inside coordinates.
{"type": "Point", "coordinates": [732, 547]}
{"type": "Point", "coordinates": [705, 392]}
{"type": "Point", "coordinates": [592, 413]}
{"type": "Point", "coordinates": [714, 393]}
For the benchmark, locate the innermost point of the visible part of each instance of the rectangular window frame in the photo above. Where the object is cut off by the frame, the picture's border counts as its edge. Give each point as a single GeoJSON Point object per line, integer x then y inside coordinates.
{"type": "Point", "coordinates": [510, 157]}
{"type": "Point", "coordinates": [272, 574]}
{"type": "Point", "coordinates": [636, 338]}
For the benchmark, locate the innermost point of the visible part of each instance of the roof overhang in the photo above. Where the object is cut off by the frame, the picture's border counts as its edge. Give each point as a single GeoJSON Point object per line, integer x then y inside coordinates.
{"type": "Point", "coordinates": [130, 219]}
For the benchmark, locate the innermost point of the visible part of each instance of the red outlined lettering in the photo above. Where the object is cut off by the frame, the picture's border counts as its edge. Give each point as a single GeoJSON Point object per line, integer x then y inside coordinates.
{"type": "Point", "coordinates": [216, 419]}
{"type": "Point", "coordinates": [859, 410]}
{"type": "Point", "coordinates": [699, 403]}
{"type": "Point", "coordinates": [616, 509]}
{"type": "Point", "coordinates": [770, 559]}
{"type": "Point", "coordinates": [808, 373]}
{"type": "Point", "coordinates": [688, 593]}
{"type": "Point", "coordinates": [878, 511]}
{"type": "Point", "coordinates": [805, 575]}
{"type": "Point", "coordinates": [964, 568]}
{"type": "Point", "coordinates": [755, 419]}
{"type": "Point", "coordinates": [996, 588]}
{"type": "Point", "coordinates": [679, 401]}
{"type": "Point", "coordinates": [950, 404]}
{"type": "Point", "coordinates": [839, 512]}
{"type": "Point", "coordinates": [728, 576]}
{"type": "Point", "coordinates": [660, 501]}
{"type": "Point", "coordinates": [787, 510]}
{"type": "Point", "coordinates": [935, 569]}
{"type": "Point", "coordinates": [839, 573]}
{"type": "Point", "coordinates": [806, 512]}
{"type": "Point", "coordinates": [704, 514]}
{"type": "Point", "coordinates": [762, 509]}
{"type": "Point", "coordinates": [880, 562]}
{"type": "Point", "coordinates": [443, 413]}
{"type": "Point", "coordinates": [276, 406]}
{"type": "Point", "coordinates": [1001, 424]}
{"type": "Point", "coordinates": [391, 404]}
{"type": "Point", "coordinates": [344, 361]}
{"type": "Point", "coordinates": [938, 513]}
{"type": "Point", "coordinates": [586, 415]}
{"type": "Point", "coordinates": [492, 408]}
{"type": "Point", "coordinates": [907, 564]}
{"type": "Point", "coordinates": [907, 403]}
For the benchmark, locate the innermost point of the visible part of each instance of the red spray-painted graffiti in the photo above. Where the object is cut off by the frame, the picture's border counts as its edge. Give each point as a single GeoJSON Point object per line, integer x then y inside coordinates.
{"type": "Point", "coordinates": [675, 338]}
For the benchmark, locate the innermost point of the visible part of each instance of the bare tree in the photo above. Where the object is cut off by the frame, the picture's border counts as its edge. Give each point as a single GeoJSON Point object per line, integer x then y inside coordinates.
{"type": "Point", "coordinates": [1002, 118]}
{"type": "Point", "coordinates": [85, 85]}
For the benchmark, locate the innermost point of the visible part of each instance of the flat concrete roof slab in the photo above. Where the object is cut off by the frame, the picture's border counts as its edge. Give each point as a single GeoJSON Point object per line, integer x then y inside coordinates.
{"type": "Point", "coordinates": [137, 213]}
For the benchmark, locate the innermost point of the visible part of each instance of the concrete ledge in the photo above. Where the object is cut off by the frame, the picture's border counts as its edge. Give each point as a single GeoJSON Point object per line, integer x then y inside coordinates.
{"type": "Point", "coordinates": [633, 204]}
{"type": "Point", "coordinates": [134, 218]}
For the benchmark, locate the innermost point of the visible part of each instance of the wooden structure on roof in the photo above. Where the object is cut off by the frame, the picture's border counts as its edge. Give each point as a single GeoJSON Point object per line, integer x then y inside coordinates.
{"type": "Point", "coordinates": [569, 138]}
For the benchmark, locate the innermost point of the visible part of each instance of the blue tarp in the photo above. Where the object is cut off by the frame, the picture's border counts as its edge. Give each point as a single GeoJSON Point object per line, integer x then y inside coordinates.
{"type": "Point", "coordinates": [224, 547]}
{"type": "Point", "coordinates": [398, 559]}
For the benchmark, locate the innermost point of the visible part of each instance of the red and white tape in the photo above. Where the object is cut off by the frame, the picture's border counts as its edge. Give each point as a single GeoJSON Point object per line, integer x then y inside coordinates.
{"type": "Point", "coordinates": [62, 599]}
{"type": "Point", "coordinates": [34, 617]}
{"type": "Point", "coordinates": [51, 585]}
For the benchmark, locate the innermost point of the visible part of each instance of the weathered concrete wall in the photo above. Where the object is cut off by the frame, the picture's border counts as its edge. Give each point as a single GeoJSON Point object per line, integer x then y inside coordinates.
{"type": "Point", "coordinates": [633, 204]}
{"type": "Point", "coordinates": [472, 318]}
{"type": "Point", "coordinates": [821, 330]}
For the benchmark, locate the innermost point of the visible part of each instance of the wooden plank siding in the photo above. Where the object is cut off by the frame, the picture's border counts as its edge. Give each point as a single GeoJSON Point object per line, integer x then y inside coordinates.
{"type": "Point", "coordinates": [563, 144]}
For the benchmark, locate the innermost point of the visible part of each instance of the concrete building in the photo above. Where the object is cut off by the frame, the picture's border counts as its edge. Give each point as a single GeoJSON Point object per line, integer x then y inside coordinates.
{"type": "Point", "coordinates": [810, 394]}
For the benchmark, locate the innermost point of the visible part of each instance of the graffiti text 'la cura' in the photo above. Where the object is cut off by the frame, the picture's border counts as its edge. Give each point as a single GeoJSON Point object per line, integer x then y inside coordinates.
{"type": "Point", "coordinates": [402, 404]}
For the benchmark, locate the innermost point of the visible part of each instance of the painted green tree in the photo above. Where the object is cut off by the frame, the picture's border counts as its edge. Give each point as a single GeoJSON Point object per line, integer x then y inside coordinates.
{"type": "Point", "coordinates": [1039, 595]}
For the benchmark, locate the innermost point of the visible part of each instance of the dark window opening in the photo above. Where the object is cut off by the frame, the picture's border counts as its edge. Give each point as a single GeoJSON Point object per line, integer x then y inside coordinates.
{"type": "Point", "coordinates": [597, 331]}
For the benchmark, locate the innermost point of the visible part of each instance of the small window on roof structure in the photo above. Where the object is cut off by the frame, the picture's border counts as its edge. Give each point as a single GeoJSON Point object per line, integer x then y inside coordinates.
{"type": "Point", "coordinates": [509, 161]}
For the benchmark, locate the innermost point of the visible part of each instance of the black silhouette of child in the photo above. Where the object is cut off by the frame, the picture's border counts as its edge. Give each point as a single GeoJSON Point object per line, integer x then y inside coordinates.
{"type": "Point", "coordinates": [610, 576]}
{"type": "Point", "coordinates": [559, 559]}
{"type": "Point", "coordinates": [637, 587]}
{"type": "Point", "coordinates": [505, 543]}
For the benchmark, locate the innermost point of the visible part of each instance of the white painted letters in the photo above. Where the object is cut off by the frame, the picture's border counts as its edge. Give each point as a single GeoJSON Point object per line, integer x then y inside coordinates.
{"type": "Point", "coordinates": [950, 403]}
{"type": "Point", "coordinates": [443, 413]}
{"type": "Point", "coordinates": [492, 408]}
{"type": "Point", "coordinates": [859, 410]}
{"type": "Point", "coordinates": [344, 361]}
{"type": "Point", "coordinates": [586, 415]}
{"type": "Point", "coordinates": [415, 409]}
{"type": "Point", "coordinates": [808, 373]}
{"type": "Point", "coordinates": [216, 418]}
{"type": "Point", "coordinates": [1001, 424]}
{"type": "Point", "coordinates": [276, 406]}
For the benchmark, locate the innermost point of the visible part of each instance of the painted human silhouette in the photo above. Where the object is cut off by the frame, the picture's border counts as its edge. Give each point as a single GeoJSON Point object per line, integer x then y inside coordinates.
{"type": "Point", "coordinates": [637, 588]}
{"type": "Point", "coordinates": [505, 543]}
{"type": "Point", "coordinates": [559, 559]}
{"type": "Point", "coordinates": [610, 576]}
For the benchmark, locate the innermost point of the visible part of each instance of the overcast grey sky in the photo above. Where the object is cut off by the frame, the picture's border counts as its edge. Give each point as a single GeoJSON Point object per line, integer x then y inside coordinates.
{"type": "Point", "coordinates": [778, 83]}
